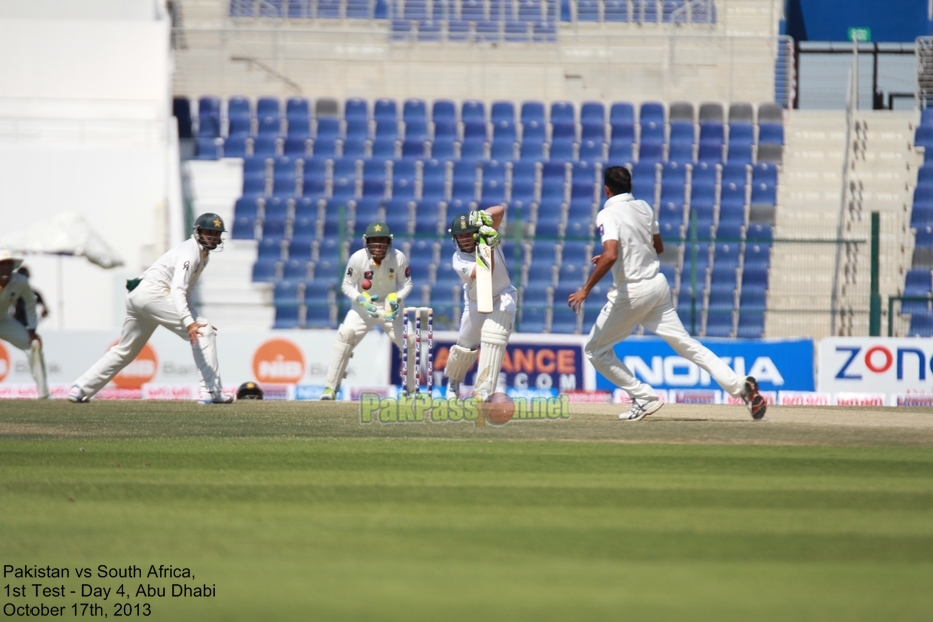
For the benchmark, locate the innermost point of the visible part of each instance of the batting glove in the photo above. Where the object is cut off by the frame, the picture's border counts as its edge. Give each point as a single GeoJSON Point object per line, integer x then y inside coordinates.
{"type": "Point", "coordinates": [368, 305]}
{"type": "Point", "coordinates": [479, 218]}
{"type": "Point", "coordinates": [489, 236]}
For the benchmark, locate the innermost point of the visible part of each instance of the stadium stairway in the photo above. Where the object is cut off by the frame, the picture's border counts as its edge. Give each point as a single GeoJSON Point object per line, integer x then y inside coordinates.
{"type": "Point", "coordinates": [808, 207]}
{"type": "Point", "coordinates": [227, 296]}
{"type": "Point", "coordinates": [883, 174]}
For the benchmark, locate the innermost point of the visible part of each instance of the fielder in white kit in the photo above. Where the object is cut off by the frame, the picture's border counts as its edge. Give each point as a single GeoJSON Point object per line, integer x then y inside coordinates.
{"type": "Point", "coordinates": [377, 280]}
{"type": "Point", "coordinates": [13, 286]}
{"type": "Point", "coordinates": [492, 330]}
{"type": "Point", "coordinates": [641, 295]}
{"type": "Point", "coordinates": [161, 297]}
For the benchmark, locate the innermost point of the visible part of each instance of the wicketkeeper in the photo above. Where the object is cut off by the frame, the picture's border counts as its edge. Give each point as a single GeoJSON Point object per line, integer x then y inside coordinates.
{"type": "Point", "coordinates": [492, 330]}
{"type": "Point", "coordinates": [377, 280]}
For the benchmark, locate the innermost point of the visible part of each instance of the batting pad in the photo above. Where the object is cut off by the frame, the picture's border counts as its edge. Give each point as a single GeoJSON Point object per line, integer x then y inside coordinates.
{"type": "Point", "coordinates": [495, 336]}
{"type": "Point", "coordinates": [340, 357]}
{"type": "Point", "coordinates": [459, 362]}
{"type": "Point", "coordinates": [37, 367]}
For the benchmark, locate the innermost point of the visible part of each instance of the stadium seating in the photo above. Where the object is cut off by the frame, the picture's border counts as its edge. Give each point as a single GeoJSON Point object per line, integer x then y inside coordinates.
{"type": "Point", "coordinates": [325, 170]}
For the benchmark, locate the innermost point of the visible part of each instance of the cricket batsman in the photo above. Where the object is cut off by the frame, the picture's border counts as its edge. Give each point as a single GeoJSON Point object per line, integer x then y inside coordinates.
{"type": "Point", "coordinates": [14, 286]}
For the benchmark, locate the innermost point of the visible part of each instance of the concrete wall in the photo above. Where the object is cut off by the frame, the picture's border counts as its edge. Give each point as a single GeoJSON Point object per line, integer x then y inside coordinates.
{"type": "Point", "coordinates": [84, 125]}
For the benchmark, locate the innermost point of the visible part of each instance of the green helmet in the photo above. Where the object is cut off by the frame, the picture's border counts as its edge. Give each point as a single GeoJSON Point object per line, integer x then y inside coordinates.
{"type": "Point", "coordinates": [460, 225]}
{"type": "Point", "coordinates": [208, 221]}
{"type": "Point", "coordinates": [377, 230]}
{"type": "Point", "coordinates": [374, 231]}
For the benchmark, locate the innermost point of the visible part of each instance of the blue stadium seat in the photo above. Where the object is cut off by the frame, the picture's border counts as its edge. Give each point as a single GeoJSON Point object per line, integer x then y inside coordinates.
{"type": "Point", "coordinates": [464, 180]}
{"type": "Point", "coordinates": [503, 111]}
{"type": "Point", "coordinates": [367, 210]}
{"type": "Point", "coordinates": [295, 269]}
{"type": "Point", "coordinates": [356, 109]}
{"type": "Point", "coordinates": [532, 111]}
{"type": "Point", "coordinates": [398, 217]}
{"type": "Point", "coordinates": [523, 182]}
{"type": "Point", "coordinates": [751, 323]}
{"type": "Point", "coordinates": [562, 112]}
{"type": "Point", "coordinates": [650, 152]}
{"type": "Point", "coordinates": [923, 137]}
{"type": "Point", "coordinates": [307, 207]}
{"type": "Point", "coordinates": [443, 110]}
{"type": "Point", "coordinates": [473, 111]}
{"type": "Point", "coordinates": [561, 152]}
{"type": "Point", "coordinates": [296, 146]}
{"type": "Point", "coordinates": [592, 112]}
{"type": "Point", "coordinates": [235, 146]}
{"type": "Point", "coordinates": [917, 283]}
{"type": "Point", "coordinates": [770, 133]}
{"type": "Point", "coordinates": [651, 112]}
{"type": "Point", "coordinates": [759, 233]}
{"type": "Point", "coordinates": [532, 313]}
{"type": "Point", "coordinates": [711, 142]}
{"type": "Point", "coordinates": [621, 112]}
{"type": "Point", "coordinates": [553, 181]}
{"type": "Point", "coordinates": [423, 252]}
{"type": "Point", "coordinates": [921, 325]}
{"type": "Point", "coordinates": [385, 110]}
{"type": "Point", "coordinates": [538, 275]}
{"type": "Point", "coordinates": [644, 180]}
{"type": "Point", "coordinates": [304, 231]}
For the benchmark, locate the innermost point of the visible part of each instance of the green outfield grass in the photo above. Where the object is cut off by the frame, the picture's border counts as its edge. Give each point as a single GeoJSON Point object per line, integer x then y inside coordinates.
{"type": "Point", "coordinates": [298, 512]}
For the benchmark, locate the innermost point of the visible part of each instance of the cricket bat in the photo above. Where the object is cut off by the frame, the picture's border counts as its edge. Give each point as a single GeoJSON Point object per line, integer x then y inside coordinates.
{"type": "Point", "coordinates": [483, 277]}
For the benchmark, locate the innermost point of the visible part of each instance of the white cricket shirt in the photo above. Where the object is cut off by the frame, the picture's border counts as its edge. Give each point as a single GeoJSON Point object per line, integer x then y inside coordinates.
{"type": "Point", "coordinates": [176, 272]}
{"type": "Point", "coordinates": [464, 263]}
{"type": "Point", "coordinates": [392, 275]}
{"type": "Point", "coordinates": [633, 224]}
{"type": "Point", "coordinates": [18, 287]}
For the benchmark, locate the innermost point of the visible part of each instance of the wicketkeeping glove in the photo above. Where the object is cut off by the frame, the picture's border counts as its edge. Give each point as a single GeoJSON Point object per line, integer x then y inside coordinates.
{"type": "Point", "coordinates": [367, 302]}
{"type": "Point", "coordinates": [489, 236]}
{"type": "Point", "coordinates": [479, 218]}
{"type": "Point", "coordinates": [393, 307]}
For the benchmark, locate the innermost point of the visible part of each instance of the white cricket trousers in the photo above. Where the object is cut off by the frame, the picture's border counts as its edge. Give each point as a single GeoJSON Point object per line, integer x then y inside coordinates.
{"type": "Point", "coordinates": [17, 335]}
{"type": "Point", "coordinates": [648, 303]}
{"type": "Point", "coordinates": [147, 308]}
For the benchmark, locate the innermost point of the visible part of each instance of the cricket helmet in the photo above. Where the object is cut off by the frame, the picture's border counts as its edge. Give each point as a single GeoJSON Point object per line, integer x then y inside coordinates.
{"type": "Point", "coordinates": [376, 231]}
{"type": "Point", "coordinates": [249, 391]}
{"type": "Point", "coordinates": [460, 227]}
{"type": "Point", "coordinates": [209, 221]}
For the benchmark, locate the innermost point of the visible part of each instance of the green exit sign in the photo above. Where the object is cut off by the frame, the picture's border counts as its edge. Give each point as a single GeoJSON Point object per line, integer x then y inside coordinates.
{"type": "Point", "coordinates": [859, 34]}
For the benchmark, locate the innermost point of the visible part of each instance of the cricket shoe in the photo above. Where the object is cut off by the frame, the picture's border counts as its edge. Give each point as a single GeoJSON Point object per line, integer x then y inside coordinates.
{"type": "Point", "coordinates": [77, 396]}
{"type": "Point", "coordinates": [753, 399]}
{"type": "Point", "coordinates": [220, 398]}
{"type": "Point", "coordinates": [453, 390]}
{"type": "Point", "coordinates": [641, 409]}
{"type": "Point", "coordinates": [328, 395]}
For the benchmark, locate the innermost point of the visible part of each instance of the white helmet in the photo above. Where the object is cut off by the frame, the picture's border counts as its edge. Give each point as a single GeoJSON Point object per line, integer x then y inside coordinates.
{"type": "Point", "coordinates": [6, 255]}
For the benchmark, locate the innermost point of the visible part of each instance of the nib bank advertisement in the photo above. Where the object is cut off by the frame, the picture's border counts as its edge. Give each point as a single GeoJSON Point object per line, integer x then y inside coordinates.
{"type": "Point", "coordinates": [165, 368]}
{"type": "Point", "coordinates": [777, 365]}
